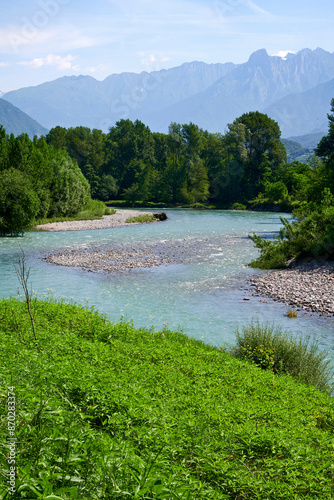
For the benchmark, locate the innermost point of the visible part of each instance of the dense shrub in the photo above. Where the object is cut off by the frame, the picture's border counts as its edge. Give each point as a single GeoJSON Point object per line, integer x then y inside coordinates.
{"type": "Point", "coordinates": [70, 190]}
{"type": "Point", "coordinates": [19, 202]}
{"type": "Point", "coordinates": [270, 347]}
{"type": "Point", "coordinates": [310, 234]}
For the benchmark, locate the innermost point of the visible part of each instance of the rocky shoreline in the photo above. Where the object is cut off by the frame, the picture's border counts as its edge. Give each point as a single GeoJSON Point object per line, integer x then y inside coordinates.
{"type": "Point", "coordinates": [114, 260]}
{"type": "Point", "coordinates": [106, 222]}
{"type": "Point", "coordinates": [306, 287]}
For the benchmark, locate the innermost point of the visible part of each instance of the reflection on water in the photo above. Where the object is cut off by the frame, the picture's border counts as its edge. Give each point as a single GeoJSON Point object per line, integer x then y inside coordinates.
{"type": "Point", "coordinates": [203, 295]}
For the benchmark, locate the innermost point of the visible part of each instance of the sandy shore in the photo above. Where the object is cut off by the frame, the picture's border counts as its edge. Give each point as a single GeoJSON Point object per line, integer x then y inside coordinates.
{"type": "Point", "coordinates": [107, 221]}
{"type": "Point", "coordinates": [308, 287]}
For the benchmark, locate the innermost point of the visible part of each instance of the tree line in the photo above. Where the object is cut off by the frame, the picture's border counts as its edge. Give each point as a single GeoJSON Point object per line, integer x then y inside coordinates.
{"type": "Point", "coordinates": [190, 166]}
{"type": "Point", "coordinates": [187, 165]}
{"type": "Point", "coordinates": [246, 166]}
{"type": "Point", "coordinates": [37, 181]}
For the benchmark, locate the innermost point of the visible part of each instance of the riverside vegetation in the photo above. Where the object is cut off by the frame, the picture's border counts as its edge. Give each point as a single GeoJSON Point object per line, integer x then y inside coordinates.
{"type": "Point", "coordinates": [311, 233]}
{"type": "Point", "coordinates": [56, 176]}
{"type": "Point", "coordinates": [109, 411]}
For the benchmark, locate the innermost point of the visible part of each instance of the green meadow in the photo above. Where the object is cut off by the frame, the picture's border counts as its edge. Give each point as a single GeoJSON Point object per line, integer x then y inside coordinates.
{"type": "Point", "coordinates": [107, 411]}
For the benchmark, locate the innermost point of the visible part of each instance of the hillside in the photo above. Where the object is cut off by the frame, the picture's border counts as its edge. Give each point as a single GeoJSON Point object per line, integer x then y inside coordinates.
{"type": "Point", "coordinates": [17, 122]}
{"type": "Point", "coordinates": [82, 100]}
{"type": "Point", "coordinates": [296, 91]}
{"type": "Point", "coordinates": [304, 112]}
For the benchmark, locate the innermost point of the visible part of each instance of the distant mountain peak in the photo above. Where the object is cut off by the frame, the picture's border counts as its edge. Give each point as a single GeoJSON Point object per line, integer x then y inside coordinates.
{"type": "Point", "coordinates": [259, 57]}
{"type": "Point", "coordinates": [284, 54]}
{"type": "Point", "coordinates": [210, 95]}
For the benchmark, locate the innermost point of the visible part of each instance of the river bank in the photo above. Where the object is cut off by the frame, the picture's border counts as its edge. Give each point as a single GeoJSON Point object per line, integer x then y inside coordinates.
{"type": "Point", "coordinates": [199, 422]}
{"type": "Point", "coordinates": [306, 286]}
{"type": "Point", "coordinates": [106, 222]}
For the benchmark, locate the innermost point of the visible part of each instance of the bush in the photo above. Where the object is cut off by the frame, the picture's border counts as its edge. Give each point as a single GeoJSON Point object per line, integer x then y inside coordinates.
{"type": "Point", "coordinates": [19, 203]}
{"type": "Point", "coordinates": [270, 347]}
{"type": "Point", "coordinates": [238, 206]}
{"type": "Point", "coordinates": [141, 219]}
{"type": "Point", "coordinates": [310, 234]}
{"type": "Point", "coordinates": [276, 191]}
{"type": "Point", "coordinates": [70, 190]}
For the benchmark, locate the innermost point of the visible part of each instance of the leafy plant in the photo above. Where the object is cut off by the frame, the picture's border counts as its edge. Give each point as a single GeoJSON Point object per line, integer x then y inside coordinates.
{"type": "Point", "coordinates": [269, 346]}
{"type": "Point", "coordinates": [109, 411]}
{"type": "Point", "coordinates": [141, 219]}
{"type": "Point", "coordinates": [292, 314]}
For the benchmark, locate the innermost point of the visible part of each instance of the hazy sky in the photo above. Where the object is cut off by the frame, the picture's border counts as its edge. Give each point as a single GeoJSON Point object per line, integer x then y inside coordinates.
{"type": "Point", "coordinates": [41, 40]}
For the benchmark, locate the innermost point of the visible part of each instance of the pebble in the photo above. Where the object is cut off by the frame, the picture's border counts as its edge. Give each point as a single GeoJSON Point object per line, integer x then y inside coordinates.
{"type": "Point", "coordinates": [107, 221]}
{"type": "Point", "coordinates": [306, 286]}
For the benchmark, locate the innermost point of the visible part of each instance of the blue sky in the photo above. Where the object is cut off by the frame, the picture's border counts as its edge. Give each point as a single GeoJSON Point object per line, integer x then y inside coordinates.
{"type": "Point", "coordinates": [42, 40]}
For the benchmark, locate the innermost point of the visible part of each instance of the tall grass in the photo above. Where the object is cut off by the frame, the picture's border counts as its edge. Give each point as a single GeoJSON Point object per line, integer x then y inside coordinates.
{"type": "Point", "coordinates": [94, 209]}
{"type": "Point", "coordinates": [299, 357]}
{"type": "Point", "coordinates": [141, 219]}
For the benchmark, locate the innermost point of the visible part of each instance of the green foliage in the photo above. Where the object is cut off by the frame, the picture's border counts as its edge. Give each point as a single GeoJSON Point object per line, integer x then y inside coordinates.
{"type": "Point", "coordinates": [107, 411]}
{"type": "Point", "coordinates": [295, 151]}
{"type": "Point", "coordinates": [19, 202]}
{"type": "Point", "coordinates": [108, 188]}
{"type": "Point", "coordinates": [271, 348]}
{"type": "Point", "coordinates": [94, 209]}
{"type": "Point", "coordinates": [238, 206]}
{"type": "Point", "coordinates": [70, 191]}
{"type": "Point", "coordinates": [262, 356]}
{"type": "Point", "coordinates": [310, 234]}
{"type": "Point", "coordinates": [141, 219]}
{"type": "Point", "coordinates": [276, 191]}
{"type": "Point", "coordinates": [38, 182]}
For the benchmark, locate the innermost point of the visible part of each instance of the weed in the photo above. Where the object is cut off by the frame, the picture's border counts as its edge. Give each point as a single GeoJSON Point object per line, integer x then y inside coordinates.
{"type": "Point", "coordinates": [23, 276]}
{"type": "Point", "coordinates": [141, 219]}
{"type": "Point", "coordinates": [296, 356]}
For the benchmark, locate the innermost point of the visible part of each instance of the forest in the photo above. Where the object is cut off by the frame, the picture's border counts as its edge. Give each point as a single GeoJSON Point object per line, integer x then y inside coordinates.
{"type": "Point", "coordinates": [245, 167]}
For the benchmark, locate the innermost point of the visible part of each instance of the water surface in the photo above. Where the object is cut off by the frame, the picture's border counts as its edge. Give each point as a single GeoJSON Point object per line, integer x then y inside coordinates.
{"type": "Point", "coordinates": [203, 296]}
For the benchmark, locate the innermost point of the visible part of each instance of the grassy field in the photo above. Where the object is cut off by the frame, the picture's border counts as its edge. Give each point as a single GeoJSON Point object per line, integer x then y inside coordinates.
{"type": "Point", "coordinates": [105, 411]}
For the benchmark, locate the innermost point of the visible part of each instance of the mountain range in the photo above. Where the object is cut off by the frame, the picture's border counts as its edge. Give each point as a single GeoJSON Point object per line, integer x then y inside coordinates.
{"type": "Point", "coordinates": [295, 91]}
{"type": "Point", "coordinates": [16, 121]}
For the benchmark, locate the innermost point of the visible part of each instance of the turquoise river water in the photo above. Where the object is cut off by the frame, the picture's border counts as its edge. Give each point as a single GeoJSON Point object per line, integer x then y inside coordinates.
{"type": "Point", "coordinates": [203, 295]}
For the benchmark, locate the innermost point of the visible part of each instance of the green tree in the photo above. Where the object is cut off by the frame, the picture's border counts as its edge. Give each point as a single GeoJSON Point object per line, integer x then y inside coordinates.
{"type": "Point", "coordinates": [130, 150]}
{"type": "Point", "coordinates": [325, 148]}
{"type": "Point", "coordinates": [236, 157]}
{"type": "Point", "coordinates": [70, 191]}
{"type": "Point", "coordinates": [264, 150]}
{"type": "Point", "coordinates": [19, 203]}
{"type": "Point", "coordinates": [108, 188]}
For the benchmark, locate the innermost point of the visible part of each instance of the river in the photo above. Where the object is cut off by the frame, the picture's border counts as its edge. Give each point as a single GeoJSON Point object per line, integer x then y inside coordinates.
{"type": "Point", "coordinates": [203, 296]}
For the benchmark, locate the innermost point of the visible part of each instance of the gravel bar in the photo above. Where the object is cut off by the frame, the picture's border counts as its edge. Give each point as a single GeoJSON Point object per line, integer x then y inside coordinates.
{"type": "Point", "coordinates": [307, 286]}
{"type": "Point", "coordinates": [106, 222]}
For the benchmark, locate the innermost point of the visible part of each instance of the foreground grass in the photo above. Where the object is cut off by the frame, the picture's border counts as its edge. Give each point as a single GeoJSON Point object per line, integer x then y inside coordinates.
{"type": "Point", "coordinates": [106, 411]}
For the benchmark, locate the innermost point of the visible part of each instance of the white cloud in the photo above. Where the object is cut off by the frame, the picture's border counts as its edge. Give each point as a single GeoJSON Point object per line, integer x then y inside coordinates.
{"type": "Point", "coordinates": [283, 53]}
{"type": "Point", "coordinates": [61, 63]}
{"type": "Point", "coordinates": [152, 61]}
{"type": "Point", "coordinates": [3, 65]}
{"type": "Point", "coordinates": [255, 8]}
{"type": "Point", "coordinates": [94, 69]}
